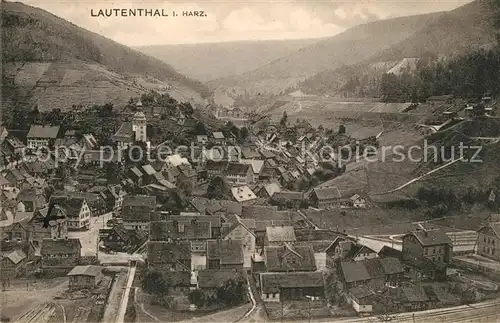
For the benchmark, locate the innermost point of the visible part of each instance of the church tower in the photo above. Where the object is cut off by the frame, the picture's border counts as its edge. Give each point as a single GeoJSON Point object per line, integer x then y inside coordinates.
{"type": "Point", "coordinates": [139, 124]}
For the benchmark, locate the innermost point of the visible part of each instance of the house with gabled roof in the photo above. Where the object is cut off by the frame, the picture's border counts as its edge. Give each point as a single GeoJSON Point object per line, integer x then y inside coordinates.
{"type": "Point", "coordinates": [289, 258]}
{"type": "Point", "coordinates": [488, 241]}
{"type": "Point", "coordinates": [431, 244]}
{"type": "Point", "coordinates": [218, 138]}
{"type": "Point", "coordinates": [169, 256]}
{"type": "Point", "coordinates": [236, 228]}
{"type": "Point", "coordinates": [280, 286]}
{"type": "Point", "coordinates": [13, 263]}
{"type": "Point", "coordinates": [41, 136]}
{"type": "Point", "coordinates": [279, 235]}
{"type": "Point", "coordinates": [60, 255]}
{"type": "Point", "coordinates": [373, 273]}
{"type": "Point", "coordinates": [75, 209]}
{"type": "Point", "coordinates": [239, 174]}
{"type": "Point", "coordinates": [48, 223]}
{"type": "Point", "coordinates": [137, 210]}
{"type": "Point", "coordinates": [85, 277]}
{"type": "Point", "coordinates": [224, 254]}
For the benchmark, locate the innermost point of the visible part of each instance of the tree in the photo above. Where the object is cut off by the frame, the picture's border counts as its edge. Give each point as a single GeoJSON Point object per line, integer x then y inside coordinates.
{"type": "Point", "coordinates": [217, 188]}
{"type": "Point", "coordinates": [284, 120]}
{"type": "Point", "coordinates": [232, 292]}
{"type": "Point", "coordinates": [154, 282]}
{"type": "Point", "coordinates": [185, 185]}
{"type": "Point", "coordinates": [197, 297]}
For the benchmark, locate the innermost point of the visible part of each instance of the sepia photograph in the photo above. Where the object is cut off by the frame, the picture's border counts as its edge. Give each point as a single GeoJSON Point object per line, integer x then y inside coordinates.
{"type": "Point", "coordinates": [250, 161]}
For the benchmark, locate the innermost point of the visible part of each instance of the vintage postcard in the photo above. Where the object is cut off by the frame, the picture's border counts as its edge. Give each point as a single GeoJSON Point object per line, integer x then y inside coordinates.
{"type": "Point", "coordinates": [250, 161]}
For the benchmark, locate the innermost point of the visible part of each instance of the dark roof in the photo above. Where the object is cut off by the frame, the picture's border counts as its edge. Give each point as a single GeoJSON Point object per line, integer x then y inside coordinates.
{"type": "Point", "coordinates": [231, 207]}
{"type": "Point", "coordinates": [140, 200]}
{"type": "Point", "coordinates": [161, 252]}
{"type": "Point", "coordinates": [280, 234]}
{"type": "Point", "coordinates": [354, 271]}
{"type": "Point", "coordinates": [15, 256]}
{"type": "Point", "coordinates": [361, 292]}
{"type": "Point", "coordinates": [370, 268]}
{"type": "Point", "coordinates": [60, 246]}
{"type": "Point", "coordinates": [205, 205]}
{"type": "Point", "coordinates": [182, 230]}
{"type": "Point", "coordinates": [214, 278]}
{"type": "Point", "coordinates": [288, 195]}
{"type": "Point", "coordinates": [193, 224]}
{"type": "Point", "coordinates": [275, 257]}
{"type": "Point", "coordinates": [216, 166]}
{"type": "Point", "coordinates": [49, 132]}
{"type": "Point", "coordinates": [387, 251]}
{"type": "Point", "coordinates": [70, 205]}
{"type": "Point", "coordinates": [237, 169]}
{"type": "Point", "coordinates": [272, 282]}
{"type": "Point", "coordinates": [88, 270]}
{"type": "Point", "coordinates": [230, 252]}
{"type": "Point", "coordinates": [431, 237]}
{"type": "Point", "coordinates": [327, 193]}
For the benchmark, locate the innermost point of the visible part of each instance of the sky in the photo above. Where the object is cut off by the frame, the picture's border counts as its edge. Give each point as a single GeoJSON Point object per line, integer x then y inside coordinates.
{"type": "Point", "coordinates": [234, 20]}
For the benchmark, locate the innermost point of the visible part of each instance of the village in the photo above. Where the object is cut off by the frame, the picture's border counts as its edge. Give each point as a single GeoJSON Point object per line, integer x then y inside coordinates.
{"type": "Point", "coordinates": [243, 220]}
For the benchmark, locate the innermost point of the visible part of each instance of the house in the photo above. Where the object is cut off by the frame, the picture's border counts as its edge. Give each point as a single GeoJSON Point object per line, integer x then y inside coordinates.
{"type": "Point", "coordinates": [268, 190]}
{"type": "Point", "coordinates": [118, 193]}
{"type": "Point", "coordinates": [488, 241]}
{"type": "Point", "coordinates": [325, 197]}
{"type": "Point", "coordinates": [181, 230]}
{"type": "Point", "coordinates": [243, 194]}
{"type": "Point", "coordinates": [239, 174]}
{"type": "Point", "coordinates": [219, 138]}
{"type": "Point", "coordinates": [257, 167]}
{"type": "Point", "coordinates": [288, 258]}
{"type": "Point", "coordinates": [215, 168]}
{"type": "Point", "coordinates": [214, 220]}
{"type": "Point", "coordinates": [75, 209]}
{"type": "Point", "coordinates": [41, 136]}
{"type": "Point", "coordinates": [137, 210]}
{"type": "Point", "coordinates": [278, 287]}
{"type": "Point", "coordinates": [13, 263]}
{"type": "Point", "coordinates": [236, 228]}
{"type": "Point", "coordinates": [279, 235]}
{"type": "Point", "coordinates": [225, 254]}
{"type": "Point", "coordinates": [372, 273]}
{"type": "Point", "coordinates": [357, 201]}
{"type": "Point", "coordinates": [48, 223]}
{"type": "Point", "coordinates": [85, 277]}
{"type": "Point", "coordinates": [432, 244]}
{"type": "Point", "coordinates": [169, 256]}
{"type": "Point", "coordinates": [119, 239]}
{"type": "Point", "coordinates": [360, 252]}
{"type": "Point", "coordinates": [60, 255]}
{"type": "Point", "coordinates": [362, 299]}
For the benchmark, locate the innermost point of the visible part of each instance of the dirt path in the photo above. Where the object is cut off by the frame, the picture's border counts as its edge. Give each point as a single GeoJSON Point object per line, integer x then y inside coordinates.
{"type": "Point", "coordinates": [114, 299]}
{"type": "Point", "coordinates": [18, 299]}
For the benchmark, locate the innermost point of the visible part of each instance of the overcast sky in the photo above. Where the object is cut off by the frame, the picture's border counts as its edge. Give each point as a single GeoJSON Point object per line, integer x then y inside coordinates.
{"type": "Point", "coordinates": [235, 19]}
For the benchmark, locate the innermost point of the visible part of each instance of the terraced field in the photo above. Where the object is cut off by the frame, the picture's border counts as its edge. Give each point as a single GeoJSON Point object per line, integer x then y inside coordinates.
{"type": "Point", "coordinates": [62, 85]}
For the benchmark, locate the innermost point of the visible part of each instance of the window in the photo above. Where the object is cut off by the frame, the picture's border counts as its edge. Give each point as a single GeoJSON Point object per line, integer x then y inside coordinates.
{"type": "Point", "coordinates": [426, 251]}
{"type": "Point", "coordinates": [485, 239]}
{"type": "Point", "coordinates": [433, 250]}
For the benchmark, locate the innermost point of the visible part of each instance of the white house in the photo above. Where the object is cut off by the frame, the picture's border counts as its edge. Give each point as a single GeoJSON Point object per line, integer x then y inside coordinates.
{"type": "Point", "coordinates": [40, 136]}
